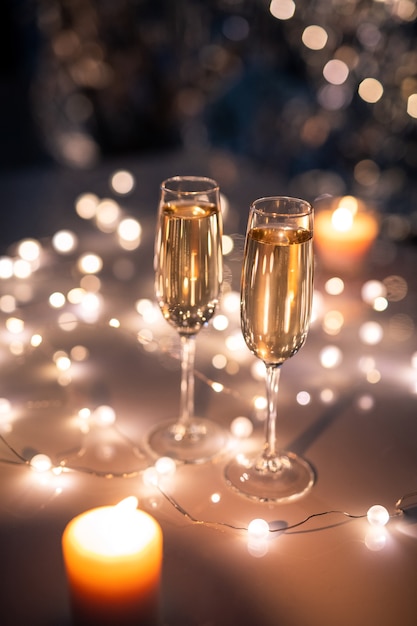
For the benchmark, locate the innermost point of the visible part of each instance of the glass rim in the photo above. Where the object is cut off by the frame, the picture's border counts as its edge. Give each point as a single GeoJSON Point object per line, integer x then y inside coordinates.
{"type": "Point", "coordinates": [308, 207]}
{"type": "Point", "coordinates": [211, 185]}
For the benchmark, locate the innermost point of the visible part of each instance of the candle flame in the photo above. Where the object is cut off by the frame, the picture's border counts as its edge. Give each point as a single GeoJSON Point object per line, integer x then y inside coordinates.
{"type": "Point", "coordinates": [342, 218]}
{"type": "Point", "coordinates": [127, 504]}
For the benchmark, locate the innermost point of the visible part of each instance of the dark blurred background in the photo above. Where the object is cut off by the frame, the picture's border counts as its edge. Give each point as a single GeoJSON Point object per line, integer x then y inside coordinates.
{"type": "Point", "coordinates": [320, 93]}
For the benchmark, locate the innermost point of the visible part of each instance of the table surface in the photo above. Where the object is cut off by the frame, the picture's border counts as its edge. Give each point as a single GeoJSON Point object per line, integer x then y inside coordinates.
{"type": "Point", "coordinates": [358, 427]}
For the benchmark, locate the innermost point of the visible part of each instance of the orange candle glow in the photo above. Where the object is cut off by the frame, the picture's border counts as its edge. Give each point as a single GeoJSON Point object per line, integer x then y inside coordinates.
{"type": "Point", "coordinates": [113, 560]}
{"type": "Point", "coordinates": [344, 234]}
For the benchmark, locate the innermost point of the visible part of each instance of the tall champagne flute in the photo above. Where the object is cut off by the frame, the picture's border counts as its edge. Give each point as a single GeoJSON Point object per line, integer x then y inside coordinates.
{"type": "Point", "coordinates": [188, 277]}
{"type": "Point", "coordinates": [276, 299]}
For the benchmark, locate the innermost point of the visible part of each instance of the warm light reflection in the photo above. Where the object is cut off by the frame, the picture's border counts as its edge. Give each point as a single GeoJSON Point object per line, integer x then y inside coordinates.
{"type": "Point", "coordinates": [90, 263]}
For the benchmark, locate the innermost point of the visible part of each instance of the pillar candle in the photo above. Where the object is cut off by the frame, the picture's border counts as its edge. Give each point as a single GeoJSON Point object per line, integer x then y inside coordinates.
{"type": "Point", "coordinates": [113, 561]}
{"type": "Point", "coordinates": [344, 233]}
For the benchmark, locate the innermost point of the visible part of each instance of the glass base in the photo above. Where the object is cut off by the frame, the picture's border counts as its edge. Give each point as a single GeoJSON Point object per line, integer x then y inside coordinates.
{"type": "Point", "coordinates": [282, 478]}
{"type": "Point", "coordinates": [197, 442]}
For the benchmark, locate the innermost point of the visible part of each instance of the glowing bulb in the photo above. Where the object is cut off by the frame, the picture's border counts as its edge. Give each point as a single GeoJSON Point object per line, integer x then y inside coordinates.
{"type": "Point", "coordinates": [64, 241]}
{"type": "Point", "coordinates": [334, 286]}
{"type": "Point", "coordinates": [122, 182]}
{"type": "Point", "coordinates": [241, 427]}
{"type": "Point", "coordinates": [90, 263]}
{"type": "Point", "coordinates": [150, 476]}
{"type": "Point", "coordinates": [86, 205]}
{"type": "Point", "coordinates": [371, 333]}
{"type": "Point", "coordinates": [15, 325]}
{"type": "Point", "coordinates": [258, 529]}
{"type": "Point", "coordinates": [227, 244]}
{"type": "Point", "coordinates": [330, 356]}
{"type": "Point", "coordinates": [220, 322]}
{"type": "Point", "coordinates": [377, 515]}
{"type": "Point", "coordinates": [57, 300]}
{"type": "Point", "coordinates": [36, 340]}
{"type": "Point", "coordinates": [29, 250]}
{"type": "Point", "coordinates": [41, 463]}
{"type": "Point", "coordinates": [63, 363]}
{"type": "Point", "coordinates": [165, 466]}
{"type": "Point", "coordinates": [105, 415]}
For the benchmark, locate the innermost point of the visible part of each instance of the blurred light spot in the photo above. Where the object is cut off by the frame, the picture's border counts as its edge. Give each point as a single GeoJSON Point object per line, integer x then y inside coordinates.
{"type": "Point", "coordinates": [241, 427]}
{"type": "Point", "coordinates": [86, 205]}
{"type": "Point", "coordinates": [22, 268]}
{"type": "Point", "coordinates": [235, 28]}
{"type": "Point", "coordinates": [330, 357]}
{"type": "Point", "coordinates": [366, 402]}
{"type": "Point", "coordinates": [370, 90]}
{"type": "Point", "coordinates": [215, 498]}
{"type": "Point", "coordinates": [231, 302]}
{"type": "Point", "coordinates": [15, 325]}
{"type": "Point", "coordinates": [79, 353]}
{"type": "Point", "coordinates": [412, 105]}
{"type": "Point", "coordinates": [371, 290]}
{"type": "Point", "coordinates": [335, 72]}
{"type": "Point", "coordinates": [129, 231]}
{"type": "Point", "coordinates": [334, 286]}
{"type": "Point", "coordinates": [107, 215]}
{"type": "Point", "coordinates": [282, 9]}
{"type": "Point", "coordinates": [64, 241]}
{"type": "Point", "coordinates": [36, 340]}
{"type": "Point", "coordinates": [366, 364]}
{"type": "Point", "coordinates": [90, 263]}
{"type": "Point", "coordinates": [122, 182]}
{"type": "Point", "coordinates": [219, 361]}
{"type": "Point", "coordinates": [334, 97]}
{"type": "Point", "coordinates": [367, 172]}
{"type": "Point", "coordinates": [260, 402]}
{"type": "Point", "coordinates": [220, 322]}
{"type": "Point", "coordinates": [333, 322]}
{"type": "Point", "coordinates": [396, 288]}
{"type": "Point", "coordinates": [368, 34]}
{"type": "Point", "coordinates": [303, 398]}
{"type": "Point", "coordinates": [7, 303]}
{"type": "Point", "coordinates": [67, 321]}
{"type": "Point", "coordinates": [371, 333]}
{"type": "Point", "coordinates": [57, 300]}
{"type": "Point", "coordinates": [380, 304]}
{"type": "Point", "coordinates": [227, 244]}
{"type": "Point", "coordinates": [6, 267]}
{"type": "Point", "coordinates": [327, 396]}
{"type": "Point", "coordinates": [314, 37]}
{"type": "Point", "coordinates": [29, 250]}
{"type": "Point", "coordinates": [373, 377]}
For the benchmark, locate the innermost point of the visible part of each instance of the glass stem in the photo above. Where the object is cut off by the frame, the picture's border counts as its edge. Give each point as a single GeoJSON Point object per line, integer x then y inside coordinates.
{"type": "Point", "coordinates": [187, 379]}
{"type": "Point", "coordinates": [273, 373]}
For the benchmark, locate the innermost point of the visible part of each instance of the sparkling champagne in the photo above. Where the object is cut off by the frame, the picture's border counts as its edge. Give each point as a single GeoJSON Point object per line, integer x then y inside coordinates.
{"type": "Point", "coordinates": [277, 289]}
{"type": "Point", "coordinates": [188, 264]}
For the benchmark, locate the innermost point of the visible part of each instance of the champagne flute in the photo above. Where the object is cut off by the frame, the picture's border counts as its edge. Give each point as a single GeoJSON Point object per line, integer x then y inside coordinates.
{"type": "Point", "coordinates": [276, 300]}
{"type": "Point", "coordinates": [188, 277]}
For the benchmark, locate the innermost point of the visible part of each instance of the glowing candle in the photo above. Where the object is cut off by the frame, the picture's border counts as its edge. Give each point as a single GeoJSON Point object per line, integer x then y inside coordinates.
{"type": "Point", "coordinates": [113, 559]}
{"type": "Point", "coordinates": [344, 234]}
